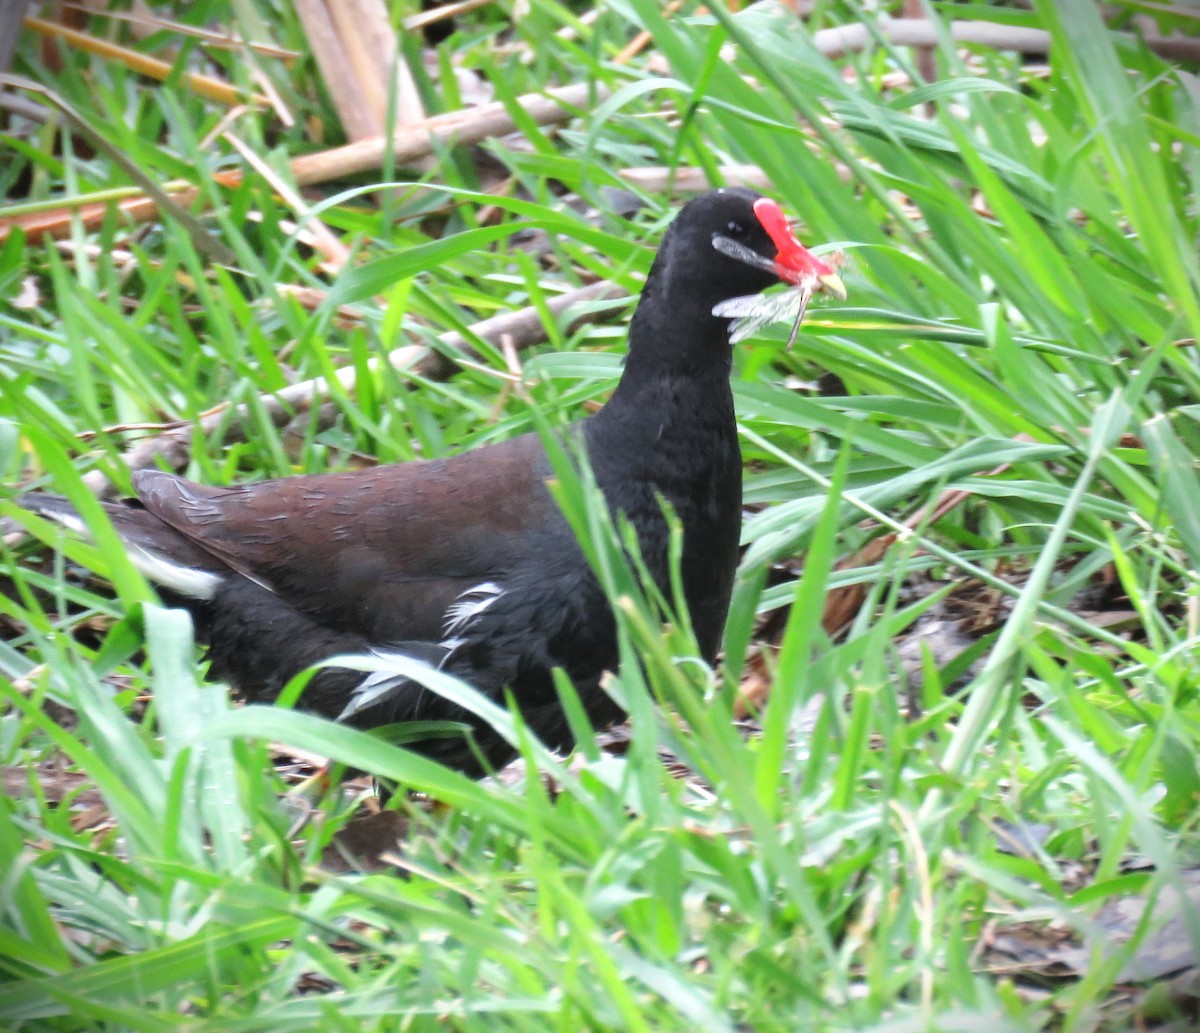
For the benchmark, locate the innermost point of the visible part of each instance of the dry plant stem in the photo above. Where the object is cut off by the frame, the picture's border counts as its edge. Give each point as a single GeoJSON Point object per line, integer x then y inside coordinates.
{"type": "Point", "coordinates": [273, 96]}
{"type": "Point", "coordinates": [347, 93]}
{"type": "Point", "coordinates": [917, 32]}
{"type": "Point", "coordinates": [440, 13]}
{"type": "Point", "coordinates": [689, 179]}
{"type": "Point", "coordinates": [926, 59]}
{"type": "Point", "coordinates": [20, 106]}
{"type": "Point", "coordinates": [408, 146]}
{"type": "Point", "coordinates": [334, 253]}
{"type": "Point", "coordinates": [204, 85]}
{"type": "Point", "coordinates": [371, 45]}
{"type": "Point", "coordinates": [643, 39]}
{"type": "Point", "coordinates": [313, 298]}
{"type": "Point", "coordinates": [10, 29]}
{"type": "Point", "coordinates": [466, 126]}
{"type": "Point", "coordinates": [144, 23]}
{"type": "Point", "coordinates": [523, 327]}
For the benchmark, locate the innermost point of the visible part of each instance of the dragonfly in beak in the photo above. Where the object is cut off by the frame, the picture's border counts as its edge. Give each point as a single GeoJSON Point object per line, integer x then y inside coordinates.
{"type": "Point", "coordinates": [793, 263]}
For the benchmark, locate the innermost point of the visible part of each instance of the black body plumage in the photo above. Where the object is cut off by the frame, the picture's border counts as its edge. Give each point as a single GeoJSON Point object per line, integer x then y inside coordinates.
{"type": "Point", "coordinates": [467, 562]}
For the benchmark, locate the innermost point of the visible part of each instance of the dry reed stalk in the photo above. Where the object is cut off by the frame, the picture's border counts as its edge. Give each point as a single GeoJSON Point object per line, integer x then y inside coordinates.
{"type": "Point", "coordinates": [341, 82]}
{"type": "Point", "coordinates": [926, 56]}
{"type": "Point", "coordinates": [442, 12]}
{"type": "Point", "coordinates": [465, 126]}
{"type": "Point", "coordinates": [407, 146]}
{"type": "Point", "coordinates": [370, 45]}
{"type": "Point", "coordinates": [205, 85]}
{"type": "Point", "coordinates": [918, 32]}
{"type": "Point", "coordinates": [143, 22]}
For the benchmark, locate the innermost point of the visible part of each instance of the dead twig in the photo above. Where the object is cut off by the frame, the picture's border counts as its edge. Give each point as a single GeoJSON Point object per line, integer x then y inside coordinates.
{"type": "Point", "coordinates": [918, 32]}
{"type": "Point", "coordinates": [370, 45]}
{"type": "Point", "coordinates": [407, 146]}
{"type": "Point", "coordinates": [926, 56]}
{"type": "Point", "coordinates": [334, 253]}
{"type": "Point", "coordinates": [143, 23]}
{"type": "Point", "coordinates": [465, 126]}
{"type": "Point", "coordinates": [10, 30]}
{"type": "Point", "coordinates": [344, 88]}
{"type": "Point", "coordinates": [643, 39]}
{"type": "Point", "coordinates": [689, 179]}
{"type": "Point", "coordinates": [442, 12]}
{"type": "Point", "coordinates": [204, 85]}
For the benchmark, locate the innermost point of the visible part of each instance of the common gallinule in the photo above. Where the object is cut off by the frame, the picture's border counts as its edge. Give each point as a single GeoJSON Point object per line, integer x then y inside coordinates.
{"type": "Point", "coordinates": [467, 562]}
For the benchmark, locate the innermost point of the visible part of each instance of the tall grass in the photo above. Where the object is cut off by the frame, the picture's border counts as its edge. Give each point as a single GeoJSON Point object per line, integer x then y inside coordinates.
{"type": "Point", "coordinates": [1023, 291]}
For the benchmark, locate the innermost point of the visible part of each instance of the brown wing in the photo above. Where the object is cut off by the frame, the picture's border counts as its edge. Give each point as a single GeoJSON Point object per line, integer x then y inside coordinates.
{"type": "Point", "coordinates": [383, 550]}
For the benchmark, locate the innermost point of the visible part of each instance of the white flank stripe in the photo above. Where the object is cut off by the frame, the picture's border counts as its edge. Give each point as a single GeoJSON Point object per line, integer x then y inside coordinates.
{"type": "Point", "coordinates": [69, 520]}
{"type": "Point", "coordinates": [189, 581]}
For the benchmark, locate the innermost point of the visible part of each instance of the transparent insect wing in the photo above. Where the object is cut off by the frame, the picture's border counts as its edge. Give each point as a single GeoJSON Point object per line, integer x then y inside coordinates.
{"type": "Point", "coordinates": [746, 305]}
{"type": "Point", "coordinates": [732, 249]}
{"type": "Point", "coordinates": [752, 312]}
{"type": "Point", "coordinates": [748, 326]}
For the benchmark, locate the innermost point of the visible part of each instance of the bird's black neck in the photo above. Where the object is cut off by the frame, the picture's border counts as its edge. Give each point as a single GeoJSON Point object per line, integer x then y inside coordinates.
{"type": "Point", "coordinates": [671, 416]}
{"type": "Point", "coordinates": [673, 333]}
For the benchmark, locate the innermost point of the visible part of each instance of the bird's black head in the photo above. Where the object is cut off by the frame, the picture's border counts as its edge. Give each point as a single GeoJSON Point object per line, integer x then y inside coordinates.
{"type": "Point", "coordinates": [695, 266]}
{"type": "Point", "coordinates": [674, 324]}
{"type": "Point", "coordinates": [742, 219]}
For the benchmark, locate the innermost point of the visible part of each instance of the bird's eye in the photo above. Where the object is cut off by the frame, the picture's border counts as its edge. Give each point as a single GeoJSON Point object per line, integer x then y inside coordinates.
{"type": "Point", "coordinates": [735, 229]}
